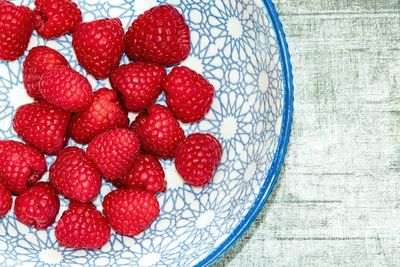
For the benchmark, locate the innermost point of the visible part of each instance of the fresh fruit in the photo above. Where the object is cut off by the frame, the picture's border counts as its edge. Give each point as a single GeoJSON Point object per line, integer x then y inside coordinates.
{"type": "Point", "coordinates": [82, 226]}
{"type": "Point", "coordinates": [5, 200]}
{"type": "Point", "coordinates": [16, 27]}
{"type": "Point", "coordinates": [189, 95]}
{"type": "Point", "coordinates": [40, 60]}
{"type": "Point", "coordinates": [130, 211]}
{"type": "Point", "coordinates": [104, 113]}
{"type": "Point", "coordinates": [20, 165]}
{"type": "Point", "coordinates": [5, 2]}
{"type": "Point", "coordinates": [43, 126]}
{"type": "Point", "coordinates": [114, 152]}
{"type": "Point", "coordinates": [37, 206]}
{"type": "Point", "coordinates": [139, 84]}
{"type": "Point", "coordinates": [138, 122]}
{"type": "Point", "coordinates": [160, 35]}
{"type": "Point", "coordinates": [54, 18]}
{"type": "Point", "coordinates": [99, 46]}
{"type": "Point", "coordinates": [66, 88]}
{"type": "Point", "coordinates": [146, 174]}
{"type": "Point", "coordinates": [126, 155]}
{"type": "Point", "coordinates": [75, 176]}
{"type": "Point", "coordinates": [197, 158]}
{"type": "Point", "coordinates": [161, 133]}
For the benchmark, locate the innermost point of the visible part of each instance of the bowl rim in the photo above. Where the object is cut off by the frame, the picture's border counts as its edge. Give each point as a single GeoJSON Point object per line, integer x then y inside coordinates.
{"type": "Point", "coordinates": [279, 157]}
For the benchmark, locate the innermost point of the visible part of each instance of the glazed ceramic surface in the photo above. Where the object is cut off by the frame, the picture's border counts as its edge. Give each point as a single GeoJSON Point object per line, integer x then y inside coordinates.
{"type": "Point", "coordinates": [239, 45]}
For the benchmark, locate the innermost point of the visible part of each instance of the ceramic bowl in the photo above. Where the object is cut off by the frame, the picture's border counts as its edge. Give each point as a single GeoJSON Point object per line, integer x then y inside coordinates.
{"type": "Point", "coordinates": [239, 45]}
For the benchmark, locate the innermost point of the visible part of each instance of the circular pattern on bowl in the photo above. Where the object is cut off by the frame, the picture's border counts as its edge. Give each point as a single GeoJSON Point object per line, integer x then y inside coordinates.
{"type": "Point", "coordinates": [240, 47]}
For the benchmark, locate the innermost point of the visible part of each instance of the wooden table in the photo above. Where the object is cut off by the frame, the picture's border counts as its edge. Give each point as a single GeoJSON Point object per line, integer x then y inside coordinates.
{"type": "Point", "coordinates": [338, 197]}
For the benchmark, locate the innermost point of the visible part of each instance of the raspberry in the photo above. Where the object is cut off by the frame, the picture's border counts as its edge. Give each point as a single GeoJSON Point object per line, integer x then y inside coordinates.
{"type": "Point", "coordinates": [43, 126]}
{"type": "Point", "coordinates": [130, 211]}
{"type": "Point", "coordinates": [75, 176]}
{"type": "Point", "coordinates": [40, 60]}
{"type": "Point", "coordinates": [161, 133]}
{"type": "Point", "coordinates": [104, 113]}
{"type": "Point", "coordinates": [5, 2]}
{"type": "Point", "coordinates": [82, 227]}
{"type": "Point", "coordinates": [160, 35]}
{"type": "Point", "coordinates": [189, 95]}
{"type": "Point", "coordinates": [139, 121]}
{"type": "Point", "coordinates": [16, 27]}
{"type": "Point", "coordinates": [139, 84]}
{"type": "Point", "coordinates": [99, 46]}
{"type": "Point", "coordinates": [20, 165]}
{"type": "Point", "coordinates": [114, 152]}
{"type": "Point", "coordinates": [66, 88]}
{"type": "Point", "coordinates": [37, 206]}
{"type": "Point", "coordinates": [54, 18]}
{"type": "Point", "coordinates": [146, 174]}
{"type": "Point", "coordinates": [197, 158]}
{"type": "Point", "coordinates": [5, 200]}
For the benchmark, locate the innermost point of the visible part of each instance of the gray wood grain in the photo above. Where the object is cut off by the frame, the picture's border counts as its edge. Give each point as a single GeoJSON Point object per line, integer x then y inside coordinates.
{"type": "Point", "coordinates": [337, 202]}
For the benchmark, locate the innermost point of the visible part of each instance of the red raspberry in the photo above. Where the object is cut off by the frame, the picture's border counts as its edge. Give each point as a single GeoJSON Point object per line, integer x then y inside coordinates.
{"type": "Point", "coordinates": [139, 83]}
{"type": "Point", "coordinates": [139, 121]}
{"type": "Point", "coordinates": [104, 113]}
{"type": "Point", "coordinates": [146, 174]}
{"type": "Point", "coordinates": [130, 211]}
{"type": "Point", "coordinates": [161, 133]}
{"type": "Point", "coordinates": [197, 158]}
{"type": "Point", "coordinates": [189, 95]}
{"type": "Point", "coordinates": [43, 126]}
{"type": "Point", "coordinates": [16, 27]}
{"type": "Point", "coordinates": [54, 18]}
{"type": "Point", "coordinates": [82, 226]}
{"type": "Point", "coordinates": [66, 88]}
{"type": "Point", "coordinates": [37, 206]}
{"type": "Point", "coordinates": [20, 165]}
{"type": "Point", "coordinates": [160, 35]}
{"type": "Point", "coordinates": [75, 176]}
{"type": "Point", "coordinates": [40, 60]}
{"type": "Point", "coordinates": [5, 2]}
{"type": "Point", "coordinates": [5, 200]}
{"type": "Point", "coordinates": [99, 46]}
{"type": "Point", "coordinates": [114, 152]}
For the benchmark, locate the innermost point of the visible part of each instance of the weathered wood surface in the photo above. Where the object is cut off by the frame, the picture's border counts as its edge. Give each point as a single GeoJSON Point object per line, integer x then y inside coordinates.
{"type": "Point", "coordinates": [337, 202]}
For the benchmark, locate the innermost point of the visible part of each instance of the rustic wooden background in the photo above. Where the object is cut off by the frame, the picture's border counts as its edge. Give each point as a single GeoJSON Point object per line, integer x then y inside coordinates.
{"type": "Point", "coordinates": [337, 202]}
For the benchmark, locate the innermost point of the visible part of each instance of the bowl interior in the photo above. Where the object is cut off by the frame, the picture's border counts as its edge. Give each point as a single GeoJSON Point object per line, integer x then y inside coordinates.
{"type": "Point", "coordinates": [235, 46]}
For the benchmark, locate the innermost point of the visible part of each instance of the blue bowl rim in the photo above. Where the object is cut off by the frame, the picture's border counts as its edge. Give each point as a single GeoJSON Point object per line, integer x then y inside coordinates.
{"type": "Point", "coordinates": [280, 153]}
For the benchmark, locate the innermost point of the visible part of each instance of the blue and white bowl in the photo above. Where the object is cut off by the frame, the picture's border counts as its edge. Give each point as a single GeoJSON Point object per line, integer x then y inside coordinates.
{"type": "Point", "coordinates": [239, 45]}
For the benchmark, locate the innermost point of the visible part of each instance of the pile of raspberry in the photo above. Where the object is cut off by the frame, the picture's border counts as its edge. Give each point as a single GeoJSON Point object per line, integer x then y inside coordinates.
{"type": "Point", "coordinates": [125, 154]}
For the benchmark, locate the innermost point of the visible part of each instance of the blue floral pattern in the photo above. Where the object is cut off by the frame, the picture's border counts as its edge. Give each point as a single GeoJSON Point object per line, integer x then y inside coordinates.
{"type": "Point", "coordinates": [235, 46]}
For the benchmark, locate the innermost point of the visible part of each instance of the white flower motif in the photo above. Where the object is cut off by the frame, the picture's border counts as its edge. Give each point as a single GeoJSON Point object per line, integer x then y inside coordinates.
{"type": "Point", "coordinates": [151, 251]}
{"type": "Point", "coordinates": [204, 58]}
{"type": "Point", "coordinates": [195, 13]}
{"type": "Point", "coordinates": [261, 24]}
{"type": "Point", "coordinates": [248, 173]}
{"type": "Point", "coordinates": [232, 28]}
{"type": "Point", "coordinates": [178, 193]}
{"type": "Point", "coordinates": [230, 120]}
{"type": "Point", "coordinates": [263, 82]}
{"type": "Point", "coordinates": [202, 220]}
{"type": "Point", "coordinates": [41, 248]}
